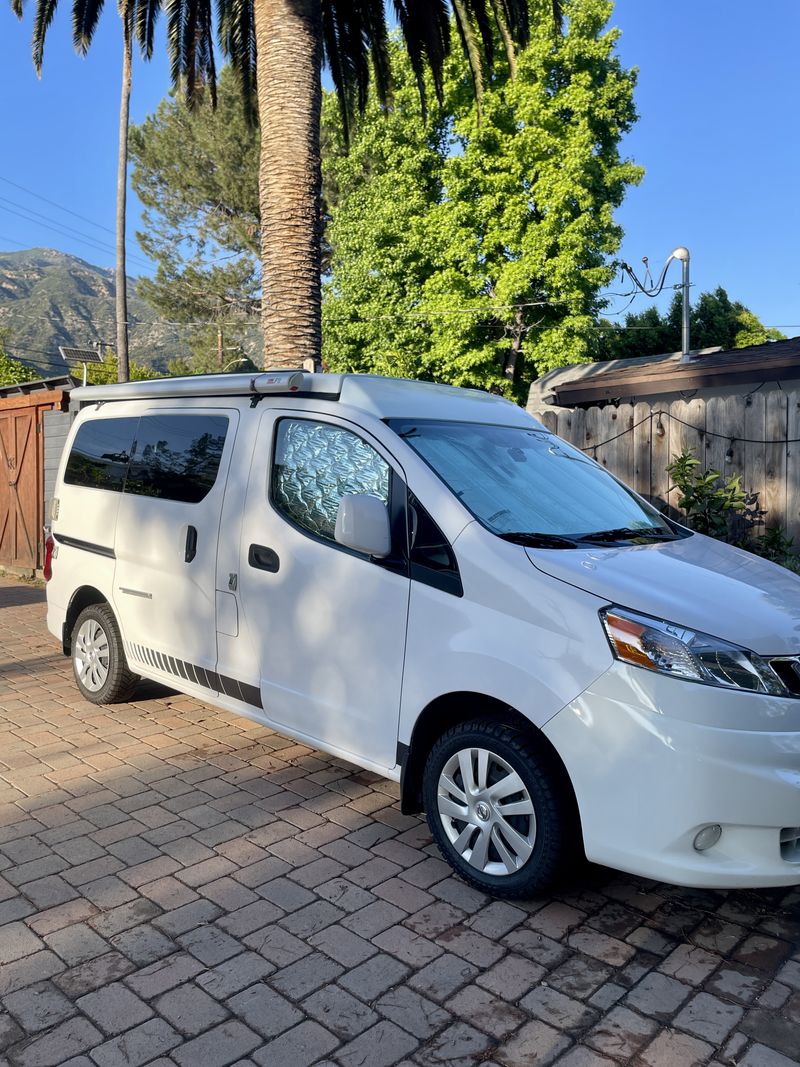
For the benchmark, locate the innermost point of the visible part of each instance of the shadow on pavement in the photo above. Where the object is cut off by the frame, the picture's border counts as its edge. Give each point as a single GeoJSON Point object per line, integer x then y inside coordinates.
{"type": "Point", "coordinates": [19, 595]}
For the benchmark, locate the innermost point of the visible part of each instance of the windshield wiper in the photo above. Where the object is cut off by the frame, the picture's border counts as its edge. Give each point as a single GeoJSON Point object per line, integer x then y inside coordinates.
{"type": "Point", "coordinates": [628, 533]}
{"type": "Point", "coordinates": [538, 540]}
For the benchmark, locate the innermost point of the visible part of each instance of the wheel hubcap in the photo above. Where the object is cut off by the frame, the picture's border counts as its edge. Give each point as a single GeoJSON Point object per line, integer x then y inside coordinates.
{"type": "Point", "coordinates": [486, 811]}
{"type": "Point", "coordinates": [92, 655]}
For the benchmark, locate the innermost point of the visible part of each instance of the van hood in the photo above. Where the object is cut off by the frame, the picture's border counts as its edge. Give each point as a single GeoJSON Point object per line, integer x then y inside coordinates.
{"type": "Point", "coordinates": [696, 582]}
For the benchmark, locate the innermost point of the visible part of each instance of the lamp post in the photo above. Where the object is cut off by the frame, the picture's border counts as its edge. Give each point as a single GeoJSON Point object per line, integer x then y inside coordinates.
{"type": "Point", "coordinates": [682, 255]}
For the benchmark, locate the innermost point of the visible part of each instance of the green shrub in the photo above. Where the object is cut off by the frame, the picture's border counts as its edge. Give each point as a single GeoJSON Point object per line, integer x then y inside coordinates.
{"type": "Point", "coordinates": [720, 507]}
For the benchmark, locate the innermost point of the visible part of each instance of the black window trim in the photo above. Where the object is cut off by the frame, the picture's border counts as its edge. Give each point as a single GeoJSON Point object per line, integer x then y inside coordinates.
{"type": "Point", "coordinates": [446, 581]}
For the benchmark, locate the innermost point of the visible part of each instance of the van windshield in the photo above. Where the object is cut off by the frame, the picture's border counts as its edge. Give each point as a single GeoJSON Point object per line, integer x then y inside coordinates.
{"type": "Point", "coordinates": [531, 487]}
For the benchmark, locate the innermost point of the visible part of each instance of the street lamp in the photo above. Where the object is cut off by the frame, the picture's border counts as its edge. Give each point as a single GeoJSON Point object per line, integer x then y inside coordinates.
{"type": "Point", "coordinates": [681, 254]}
{"type": "Point", "coordinates": [233, 362]}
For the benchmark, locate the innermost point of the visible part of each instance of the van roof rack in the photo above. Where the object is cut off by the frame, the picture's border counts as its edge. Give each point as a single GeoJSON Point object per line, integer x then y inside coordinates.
{"type": "Point", "coordinates": [298, 383]}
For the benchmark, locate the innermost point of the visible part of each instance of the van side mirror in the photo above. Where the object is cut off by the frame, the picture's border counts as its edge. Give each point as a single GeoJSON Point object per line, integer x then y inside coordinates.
{"type": "Point", "coordinates": [362, 523]}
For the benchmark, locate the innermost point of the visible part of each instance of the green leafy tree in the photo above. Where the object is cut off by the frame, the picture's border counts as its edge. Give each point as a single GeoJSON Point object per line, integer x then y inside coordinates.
{"type": "Point", "coordinates": [471, 247]}
{"type": "Point", "coordinates": [12, 372]}
{"type": "Point", "coordinates": [714, 320]}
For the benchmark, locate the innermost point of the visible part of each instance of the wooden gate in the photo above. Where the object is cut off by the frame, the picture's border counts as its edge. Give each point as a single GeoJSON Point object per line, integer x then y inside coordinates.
{"type": "Point", "coordinates": [21, 477]}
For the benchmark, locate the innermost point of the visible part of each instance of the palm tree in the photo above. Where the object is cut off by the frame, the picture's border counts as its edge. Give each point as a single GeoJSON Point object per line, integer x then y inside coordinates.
{"type": "Point", "coordinates": [138, 20]}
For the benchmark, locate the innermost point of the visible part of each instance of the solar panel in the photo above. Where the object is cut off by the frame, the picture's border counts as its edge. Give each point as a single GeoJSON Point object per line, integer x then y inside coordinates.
{"type": "Point", "coordinates": [80, 355]}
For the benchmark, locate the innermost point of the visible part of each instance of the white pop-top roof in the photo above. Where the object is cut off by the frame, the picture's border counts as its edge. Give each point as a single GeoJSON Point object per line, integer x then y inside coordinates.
{"type": "Point", "coordinates": [381, 397]}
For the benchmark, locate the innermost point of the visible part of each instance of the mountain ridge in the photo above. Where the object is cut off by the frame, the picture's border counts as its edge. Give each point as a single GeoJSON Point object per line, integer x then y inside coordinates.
{"type": "Point", "coordinates": [50, 298]}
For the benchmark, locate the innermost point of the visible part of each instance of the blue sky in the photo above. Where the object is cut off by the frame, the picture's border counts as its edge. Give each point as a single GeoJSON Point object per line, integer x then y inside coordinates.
{"type": "Point", "coordinates": [718, 135]}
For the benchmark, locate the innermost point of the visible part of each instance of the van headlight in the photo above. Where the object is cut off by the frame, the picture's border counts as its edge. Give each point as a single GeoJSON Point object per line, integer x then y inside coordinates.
{"type": "Point", "coordinates": [681, 653]}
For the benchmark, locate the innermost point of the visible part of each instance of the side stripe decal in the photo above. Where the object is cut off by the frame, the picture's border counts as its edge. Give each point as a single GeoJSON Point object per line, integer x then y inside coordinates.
{"type": "Point", "coordinates": [191, 672]}
{"type": "Point", "coordinates": [86, 546]}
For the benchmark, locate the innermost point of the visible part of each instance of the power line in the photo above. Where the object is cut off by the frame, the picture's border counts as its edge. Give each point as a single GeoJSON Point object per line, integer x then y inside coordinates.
{"type": "Point", "coordinates": [22, 244]}
{"type": "Point", "coordinates": [38, 219]}
{"type": "Point", "coordinates": [60, 207]}
{"type": "Point", "coordinates": [253, 321]}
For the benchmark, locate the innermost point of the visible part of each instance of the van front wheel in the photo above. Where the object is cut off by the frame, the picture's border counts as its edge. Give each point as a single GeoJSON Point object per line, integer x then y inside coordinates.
{"type": "Point", "coordinates": [98, 657]}
{"type": "Point", "coordinates": [496, 808]}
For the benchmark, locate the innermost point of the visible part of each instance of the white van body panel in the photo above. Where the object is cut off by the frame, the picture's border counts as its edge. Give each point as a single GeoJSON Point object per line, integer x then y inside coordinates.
{"type": "Point", "coordinates": [533, 646]}
{"type": "Point", "coordinates": [652, 764]}
{"type": "Point", "coordinates": [687, 582]}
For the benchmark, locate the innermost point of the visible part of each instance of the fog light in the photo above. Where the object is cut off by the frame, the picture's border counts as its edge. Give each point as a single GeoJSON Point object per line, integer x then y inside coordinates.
{"type": "Point", "coordinates": [707, 837]}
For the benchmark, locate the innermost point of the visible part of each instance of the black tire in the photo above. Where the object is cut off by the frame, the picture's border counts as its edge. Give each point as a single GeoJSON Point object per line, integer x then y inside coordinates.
{"type": "Point", "coordinates": [112, 682]}
{"type": "Point", "coordinates": [554, 835]}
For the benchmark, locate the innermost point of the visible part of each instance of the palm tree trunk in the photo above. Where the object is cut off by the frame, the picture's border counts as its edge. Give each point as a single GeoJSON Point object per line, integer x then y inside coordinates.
{"type": "Point", "coordinates": [122, 190]}
{"type": "Point", "coordinates": [289, 58]}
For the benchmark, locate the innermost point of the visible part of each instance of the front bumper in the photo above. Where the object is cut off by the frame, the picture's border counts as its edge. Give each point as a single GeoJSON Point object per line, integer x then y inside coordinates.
{"type": "Point", "coordinates": [653, 760]}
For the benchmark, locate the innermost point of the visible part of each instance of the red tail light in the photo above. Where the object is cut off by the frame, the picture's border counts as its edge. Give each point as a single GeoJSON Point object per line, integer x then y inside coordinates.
{"type": "Point", "coordinates": [49, 545]}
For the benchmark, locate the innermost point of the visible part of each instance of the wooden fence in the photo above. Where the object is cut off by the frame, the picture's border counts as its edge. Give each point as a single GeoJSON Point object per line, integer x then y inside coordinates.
{"type": "Point", "coordinates": [757, 436]}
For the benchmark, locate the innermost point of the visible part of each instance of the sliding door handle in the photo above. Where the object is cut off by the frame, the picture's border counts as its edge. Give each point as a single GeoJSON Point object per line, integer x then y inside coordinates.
{"type": "Point", "coordinates": [263, 558]}
{"type": "Point", "coordinates": [191, 544]}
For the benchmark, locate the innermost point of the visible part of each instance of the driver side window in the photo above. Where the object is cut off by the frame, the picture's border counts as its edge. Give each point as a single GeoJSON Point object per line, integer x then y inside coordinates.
{"type": "Point", "coordinates": [315, 465]}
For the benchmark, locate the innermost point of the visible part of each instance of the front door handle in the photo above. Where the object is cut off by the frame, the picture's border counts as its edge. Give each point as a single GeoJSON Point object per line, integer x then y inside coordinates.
{"type": "Point", "coordinates": [191, 544]}
{"type": "Point", "coordinates": [263, 558]}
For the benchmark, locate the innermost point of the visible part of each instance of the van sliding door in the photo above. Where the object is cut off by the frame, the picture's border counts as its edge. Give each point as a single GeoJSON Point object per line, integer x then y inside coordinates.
{"type": "Point", "coordinates": [166, 542]}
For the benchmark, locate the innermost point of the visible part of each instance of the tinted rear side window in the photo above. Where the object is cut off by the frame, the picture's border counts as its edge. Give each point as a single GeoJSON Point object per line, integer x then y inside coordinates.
{"type": "Point", "coordinates": [100, 454]}
{"type": "Point", "coordinates": [176, 457]}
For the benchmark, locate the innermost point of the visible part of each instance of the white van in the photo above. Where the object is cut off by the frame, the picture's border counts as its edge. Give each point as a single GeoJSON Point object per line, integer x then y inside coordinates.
{"type": "Point", "coordinates": [426, 582]}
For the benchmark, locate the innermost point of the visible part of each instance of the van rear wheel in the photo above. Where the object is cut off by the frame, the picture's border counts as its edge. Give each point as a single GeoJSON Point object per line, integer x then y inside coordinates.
{"type": "Point", "coordinates": [98, 657]}
{"type": "Point", "coordinates": [497, 809]}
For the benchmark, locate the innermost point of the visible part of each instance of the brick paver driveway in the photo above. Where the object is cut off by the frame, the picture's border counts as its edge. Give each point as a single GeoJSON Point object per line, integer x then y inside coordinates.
{"type": "Point", "coordinates": [181, 886]}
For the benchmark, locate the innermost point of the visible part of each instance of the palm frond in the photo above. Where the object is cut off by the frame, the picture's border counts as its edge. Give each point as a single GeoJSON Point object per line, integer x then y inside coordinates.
{"type": "Point", "coordinates": [17, 6]}
{"type": "Point", "coordinates": [516, 17]}
{"type": "Point", "coordinates": [356, 48]}
{"type": "Point", "coordinates": [189, 27]}
{"type": "Point", "coordinates": [237, 39]}
{"type": "Point", "coordinates": [376, 30]}
{"type": "Point", "coordinates": [45, 9]}
{"type": "Point", "coordinates": [85, 14]}
{"type": "Point", "coordinates": [173, 9]}
{"type": "Point", "coordinates": [469, 43]}
{"type": "Point", "coordinates": [337, 65]}
{"type": "Point", "coordinates": [484, 23]}
{"type": "Point", "coordinates": [206, 65]}
{"type": "Point", "coordinates": [425, 26]}
{"type": "Point", "coordinates": [506, 38]}
{"type": "Point", "coordinates": [191, 48]}
{"type": "Point", "coordinates": [146, 17]}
